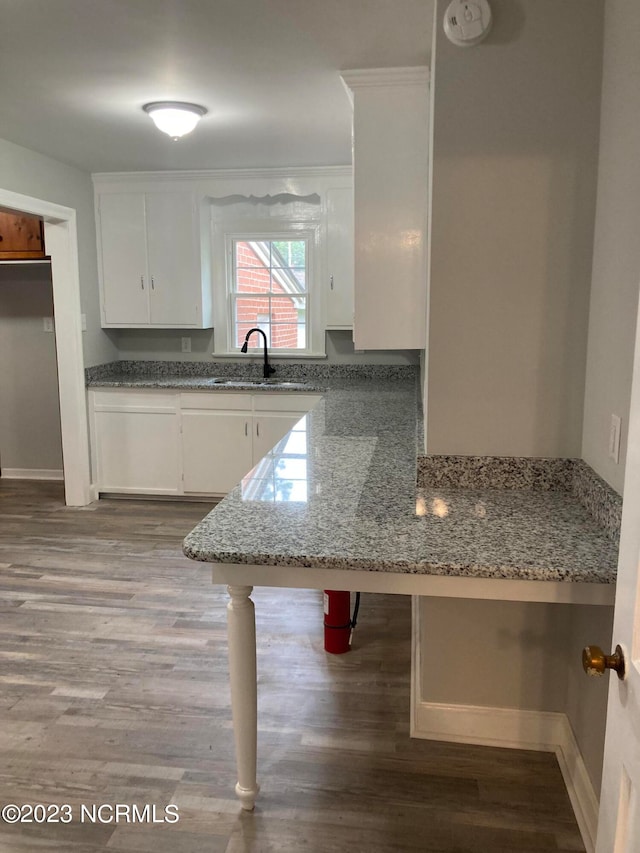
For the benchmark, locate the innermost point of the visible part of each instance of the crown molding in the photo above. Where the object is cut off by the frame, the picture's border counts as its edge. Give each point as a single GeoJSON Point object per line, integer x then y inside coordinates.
{"type": "Point", "coordinates": [225, 174]}
{"type": "Point", "coordinates": [417, 75]}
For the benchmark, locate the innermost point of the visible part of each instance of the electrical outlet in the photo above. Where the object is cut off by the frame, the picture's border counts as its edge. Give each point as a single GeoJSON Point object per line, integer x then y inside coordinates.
{"type": "Point", "coordinates": [47, 324]}
{"type": "Point", "coordinates": [186, 345]}
{"type": "Point", "coordinates": [614, 438]}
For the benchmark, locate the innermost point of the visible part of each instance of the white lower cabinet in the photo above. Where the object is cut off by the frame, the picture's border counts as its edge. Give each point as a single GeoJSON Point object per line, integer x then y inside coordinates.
{"type": "Point", "coordinates": [216, 450]}
{"type": "Point", "coordinates": [135, 443]}
{"type": "Point", "coordinates": [215, 440]}
{"type": "Point", "coordinates": [268, 429]}
{"type": "Point", "coordinates": [151, 442]}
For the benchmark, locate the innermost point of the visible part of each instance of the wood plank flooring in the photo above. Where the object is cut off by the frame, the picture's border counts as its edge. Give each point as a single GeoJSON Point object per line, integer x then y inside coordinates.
{"type": "Point", "coordinates": [113, 689]}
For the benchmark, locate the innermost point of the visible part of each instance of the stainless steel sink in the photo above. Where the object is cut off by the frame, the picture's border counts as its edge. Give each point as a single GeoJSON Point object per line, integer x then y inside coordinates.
{"type": "Point", "coordinates": [258, 383]}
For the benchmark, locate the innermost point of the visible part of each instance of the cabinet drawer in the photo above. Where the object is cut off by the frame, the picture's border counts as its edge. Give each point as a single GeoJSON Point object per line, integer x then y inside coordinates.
{"type": "Point", "coordinates": [143, 400]}
{"type": "Point", "coordinates": [288, 402]}
{"type": "Point", "coordinates": [214, 400]}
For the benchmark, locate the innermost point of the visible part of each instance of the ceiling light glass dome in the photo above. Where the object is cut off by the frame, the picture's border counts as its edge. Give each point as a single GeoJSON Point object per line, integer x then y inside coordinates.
{"type": "Point", "coordinates": [174, 118]}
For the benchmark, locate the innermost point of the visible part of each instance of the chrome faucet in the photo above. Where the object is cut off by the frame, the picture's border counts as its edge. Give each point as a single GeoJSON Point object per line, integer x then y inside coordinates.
{"type": "Point", "coordinates": [268, 370]}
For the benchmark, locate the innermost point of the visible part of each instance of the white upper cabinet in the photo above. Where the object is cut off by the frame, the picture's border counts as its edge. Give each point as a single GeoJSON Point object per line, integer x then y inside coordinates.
{"type": "Point", "coordinates": [149, 245]}
{"type": "Point", "coordinates": [390, 162]}
{"type": "Point", "coordinates": [125, 279]}
{"type": "Point", "coordinates": [340, 257]}
{"type": "Point", "coordinates": [162, 252]}
{"type": "Point", "coordinates": [174, 260]}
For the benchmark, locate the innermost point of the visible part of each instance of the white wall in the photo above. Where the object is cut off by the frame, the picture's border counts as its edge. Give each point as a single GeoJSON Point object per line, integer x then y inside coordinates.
{"type": "Point", "coordinates": [27, 172]}
{"type": "Point", "coordinates": [514, 176]}
{"type": "Point", "coordinates": [616, 255]}
{"type": "Point", "coordinates": [29, 409]}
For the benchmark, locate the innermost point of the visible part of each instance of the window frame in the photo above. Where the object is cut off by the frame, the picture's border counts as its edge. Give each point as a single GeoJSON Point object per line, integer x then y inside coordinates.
{"type": "Point", "coordinates": [234, 296]}
{"type": "Point", "coordinates": [224, 234]}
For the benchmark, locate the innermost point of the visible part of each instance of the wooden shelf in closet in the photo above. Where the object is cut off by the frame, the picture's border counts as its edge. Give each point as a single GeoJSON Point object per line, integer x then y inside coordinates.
{"type": "Point", "coordinates": [21, 236]}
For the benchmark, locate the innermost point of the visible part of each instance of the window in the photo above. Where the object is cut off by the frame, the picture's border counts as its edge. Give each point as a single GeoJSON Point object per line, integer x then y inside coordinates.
{"type": "Point", "coordinates": [267, 264]}
{"type": "Point", "coordinates": [268, 289]}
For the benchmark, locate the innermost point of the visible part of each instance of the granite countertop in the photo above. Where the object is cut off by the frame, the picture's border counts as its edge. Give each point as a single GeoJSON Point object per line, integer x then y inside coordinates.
{"type": "Point", "coordinates": [207, 383]}
{"type": "Point", "coordinates": [340, 492]}
{"type": "Point", "coordinates": [180, 382]}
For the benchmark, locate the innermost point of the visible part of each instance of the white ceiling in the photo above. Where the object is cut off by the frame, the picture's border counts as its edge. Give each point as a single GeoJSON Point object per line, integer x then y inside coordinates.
{"type": "Point", "coordinates": [74, 75]}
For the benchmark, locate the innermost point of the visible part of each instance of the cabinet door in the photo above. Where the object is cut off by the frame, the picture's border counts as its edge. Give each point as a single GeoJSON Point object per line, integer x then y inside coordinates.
{"type": "Point", "coordinates": [125, 283]}
{"type": "Point", "coordinates": [340, 257]}
{"type": "Point", "coordinates": [268, 429]}
{"type": "Point", "coordinates": [216, 450]}
{"type": "Point", "coordinates": [174, 262]}
{"type": "Point", "coordinates": [390, 144]}
{"type": "Point", "coordinates": [137, 451]}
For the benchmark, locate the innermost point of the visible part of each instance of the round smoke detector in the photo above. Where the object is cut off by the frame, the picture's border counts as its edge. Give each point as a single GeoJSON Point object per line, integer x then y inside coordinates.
{"type": "Point", "coordinates": [466, 24]}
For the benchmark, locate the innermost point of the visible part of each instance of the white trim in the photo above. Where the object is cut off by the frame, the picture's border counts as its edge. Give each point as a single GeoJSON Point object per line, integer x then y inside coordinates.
{"type": "Point", "coordinates": [357, 78]}
{"type": "Point", "coordinates": [488, 726]}
{"type": "Point", "coordinates": [224, 174]}
{"type": "Point", "coordinates": [579, 786]}
{"type": "Point", "coordinates": [223, 232]}
{"type": "Point", "coordinates": [403, 583]}
{"type": "Point", "coordinates": [62, 245]}
{"type": "Point", "coordinates": [32, 474]}
{"type": "Point", "coordinates": [416, 663]}
{"type": "Point", "coordinates": [235, 297]}
{"type": "Point", "coordinates": [38, 207]}
{"type": "Point", "coordinates": [106, 489]}
{"type": "Point", "coordinates": [277, 354]}
{"type": "Point", "coordinates": [511, 728]}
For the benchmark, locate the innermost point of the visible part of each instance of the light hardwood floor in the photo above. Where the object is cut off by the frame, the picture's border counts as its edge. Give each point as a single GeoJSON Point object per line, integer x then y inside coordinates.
{"type": "Point", "coordinates": [113, 679]}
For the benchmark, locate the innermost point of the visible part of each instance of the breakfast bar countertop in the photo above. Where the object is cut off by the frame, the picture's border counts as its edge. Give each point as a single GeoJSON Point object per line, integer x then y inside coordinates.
{"type": "Point", "coordinates": [339, 492]}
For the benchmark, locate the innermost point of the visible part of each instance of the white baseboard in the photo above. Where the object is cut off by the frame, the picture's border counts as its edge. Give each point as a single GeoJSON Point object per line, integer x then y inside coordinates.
{"type": "Point", "coordinates": [509, 727]}
{"type": "Point", "coordinates": [32, 474]}
{"type": "Point", "coordinates": [579, 787]}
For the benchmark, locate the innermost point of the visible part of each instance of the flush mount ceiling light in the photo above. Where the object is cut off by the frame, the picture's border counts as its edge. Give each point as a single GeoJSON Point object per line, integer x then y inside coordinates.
{"type": "Point", "coordinates": [174, 118]}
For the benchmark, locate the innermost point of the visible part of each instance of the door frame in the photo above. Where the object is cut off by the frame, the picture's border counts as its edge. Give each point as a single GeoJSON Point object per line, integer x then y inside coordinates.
{"type": "Point", "coordinates": [61, 242]}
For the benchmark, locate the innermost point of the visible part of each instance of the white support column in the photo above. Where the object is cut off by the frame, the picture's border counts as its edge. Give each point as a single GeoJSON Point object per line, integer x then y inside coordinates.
{"type": "Point", "coordinates": [241, 629]}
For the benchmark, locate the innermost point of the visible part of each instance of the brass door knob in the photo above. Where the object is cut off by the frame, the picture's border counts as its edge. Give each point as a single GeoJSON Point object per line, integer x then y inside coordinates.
{"type": "Point", "coordinates": [595, 662]}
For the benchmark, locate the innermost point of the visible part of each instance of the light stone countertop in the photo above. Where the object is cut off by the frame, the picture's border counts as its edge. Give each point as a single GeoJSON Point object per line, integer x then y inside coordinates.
{"type": "Point", "coordinates": [339, 492]}
{"type": "Point", "coordinates": [207, 383]}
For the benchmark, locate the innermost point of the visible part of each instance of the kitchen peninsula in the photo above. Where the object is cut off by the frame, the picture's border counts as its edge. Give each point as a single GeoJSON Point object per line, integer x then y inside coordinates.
{"type": "Point", "coordinates": [346, 500]}
{"type": "Point", "coordinates": [335, 505]}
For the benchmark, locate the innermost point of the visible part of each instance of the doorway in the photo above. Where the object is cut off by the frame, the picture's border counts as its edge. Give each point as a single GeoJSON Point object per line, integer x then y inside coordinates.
{"type": "Point", "coordinates": [30, 438]}
{"type": "Point", "coordinates": [62, 246]}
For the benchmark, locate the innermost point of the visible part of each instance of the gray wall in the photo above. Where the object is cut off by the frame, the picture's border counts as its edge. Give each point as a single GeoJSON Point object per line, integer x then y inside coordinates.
{"type": "Point", "coordinates": [516, 131]}
{"type": "Point", "coordinates": [522, 655]}
{"type": "Point", "coordinates": [505, 653]}
{"type": "Point", "coordinates": [24, 171]}
{"type": "Point", "coordinates": [616, 256]}
{"type": "Point", "coordinates": [29, 409]}
{"type": "Point", "coordinates": [165, 344]}
{"type": "Point", "coordinates": [515, 157]}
